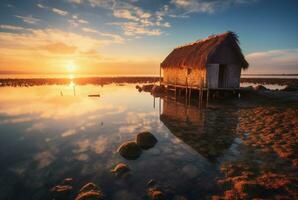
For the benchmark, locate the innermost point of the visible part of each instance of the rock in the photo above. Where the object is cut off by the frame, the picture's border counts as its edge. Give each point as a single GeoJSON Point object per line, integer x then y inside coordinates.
{"type": "Point", "coordinates": [156, 194]}
{"type": "Point", "coordinates": [89, 187]}
{"type": "Point", "coordinates": [90, 191]}
{"type": "Point", "coordinates": [147, 88]}
{"type": "Point", "coordinates": [248, 189]}
{"type": "Point", "coordinates": [120, 169]}
{"type": "Point", "coordinates": [158, 89]}
{"type": "Point", "coordinates": [91, 195]}
{"type": "Point", "coordinates": [61, 191]}
{"type": "Point", "coordinates": [146, 140]}
{"type": "Point", "coordinates": [260, 88]}
{"type": "Point", "coordinates": [130, 150]}
{"type": "Point", "coordinates": [139, 88]}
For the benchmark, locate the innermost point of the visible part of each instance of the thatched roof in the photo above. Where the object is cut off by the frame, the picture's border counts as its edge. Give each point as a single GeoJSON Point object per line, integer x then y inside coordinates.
{"type": "Point", "coordinates": [201, 52]}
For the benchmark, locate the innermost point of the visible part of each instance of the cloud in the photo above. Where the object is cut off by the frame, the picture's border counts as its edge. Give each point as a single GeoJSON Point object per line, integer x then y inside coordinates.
{"type": "Point", "coordinates": [135, 29]}
{"type": "Point", "coordinates": [59, 48]}
{"type": "Point", "coordinates": [205, 6]}
{"type": "Point", "coordinates": [89, 30]}
{"type": "Point", "coordinates": [40, 5]}
{"type": "Point", "coordinates": [51, 47]}
{"type": "Point", "coordinates": [115, 37]}
{"type": "Point", "coordinates": [125, 14]}
{"type": "Point", "coordinates": [11, 27]}
{"type": "Point", "coordinates": [75, 1]}
{"type": "Point", "coordinates": [275, 61]}
{"type": "Point", "coordinates": [95, 3]}
{"type": "Point", "coordinates": [59, 12]}
{"type": "Point", "coordinates": [195, 5]}
{"type": "Point", "coordinates": [68, 133]}
{"type": "Point", "coordinates": [54, 10]}
{"type": "Point", "coordinates": [28, 19]}
{"type": "Point", "coordinates": [76, 21]}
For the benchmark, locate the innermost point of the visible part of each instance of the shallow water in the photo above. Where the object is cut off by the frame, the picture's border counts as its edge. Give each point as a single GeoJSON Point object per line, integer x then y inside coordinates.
{"type": "Point", "coordinates": [49, 133]}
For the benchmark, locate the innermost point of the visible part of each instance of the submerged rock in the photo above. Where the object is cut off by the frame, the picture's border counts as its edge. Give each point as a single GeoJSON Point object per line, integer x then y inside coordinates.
{"type": "Point", "coordinates": [90, 191]}
{"type": "Point", "coordinates": [156, 194]}
{"type": "Point", "coordinates": [130, 150]}
{"type": "Point", "coordinates": [139, 88]}
{"type": "Point", "coordinates": [61, 191]}
{"type": "Point", "coordinates": [89, 187]}
{"type": "Point", "coordinates": [120, 169]}
{"type": "Point", "coordinates": [146, 140]}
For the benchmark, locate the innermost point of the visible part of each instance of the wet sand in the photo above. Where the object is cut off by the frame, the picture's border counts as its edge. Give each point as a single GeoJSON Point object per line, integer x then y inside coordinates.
{"type": "Point", "coordinates": [269, 170]}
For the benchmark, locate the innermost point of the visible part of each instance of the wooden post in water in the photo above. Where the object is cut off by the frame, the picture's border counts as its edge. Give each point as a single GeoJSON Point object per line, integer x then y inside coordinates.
{"type": "Point", "coordinates": [160, 74]}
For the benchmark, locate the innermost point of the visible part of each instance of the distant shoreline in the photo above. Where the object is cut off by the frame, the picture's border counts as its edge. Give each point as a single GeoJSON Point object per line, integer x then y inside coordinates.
{"type": "Point", "coordinates": [25, 82]}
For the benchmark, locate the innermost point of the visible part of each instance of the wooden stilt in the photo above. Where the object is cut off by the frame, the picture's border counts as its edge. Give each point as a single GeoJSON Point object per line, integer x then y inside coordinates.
{"type": "Point", "coordinates": [207, 97]}
{"type": "Point", "coordinates": [189, 95]}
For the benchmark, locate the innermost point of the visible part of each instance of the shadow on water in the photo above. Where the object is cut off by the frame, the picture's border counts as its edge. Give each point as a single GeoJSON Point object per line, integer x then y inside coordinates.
{"type": "Point", "coordinates": [207, 131]}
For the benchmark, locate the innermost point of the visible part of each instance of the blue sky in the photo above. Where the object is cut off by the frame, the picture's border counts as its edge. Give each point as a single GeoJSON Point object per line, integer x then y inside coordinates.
{"type": "Point", "coordinates": [134, 36]}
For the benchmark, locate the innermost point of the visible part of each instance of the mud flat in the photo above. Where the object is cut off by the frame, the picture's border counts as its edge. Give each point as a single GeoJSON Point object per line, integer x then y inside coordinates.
{"type": "Point", "coordinates": [269, 169]}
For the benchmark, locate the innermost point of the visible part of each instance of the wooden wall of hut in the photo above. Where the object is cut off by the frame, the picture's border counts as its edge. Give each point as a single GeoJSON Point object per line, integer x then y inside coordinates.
{"type": "Point", "coordinates": [184, 76]}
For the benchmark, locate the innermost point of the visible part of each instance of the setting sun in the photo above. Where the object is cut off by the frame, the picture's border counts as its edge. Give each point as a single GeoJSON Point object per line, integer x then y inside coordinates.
{"type": "Point", "coordinates": [71, 67]}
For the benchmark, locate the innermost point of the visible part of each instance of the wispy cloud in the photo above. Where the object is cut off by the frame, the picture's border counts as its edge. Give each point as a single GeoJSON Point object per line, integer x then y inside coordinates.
{"type": "Point", "coordinates": [135, 29]}
{"type": "Point", "coordinates": [59, 12]}
{"type": "Point", "coordinates": [52, 9]}
{"type": "Point", "coordinates": [28, 19]}
{"type": "Point", "coordinates": [205, 6]}
{"type": "Point", "coordinates": [278, 61]}
{"type": "Point", "coordinates": [116, 38]}
{"type": "Point", "coordinates": [11, 27]}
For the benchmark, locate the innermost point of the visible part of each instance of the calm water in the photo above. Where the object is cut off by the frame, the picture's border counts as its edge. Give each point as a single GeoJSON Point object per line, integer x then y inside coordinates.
{"type": "Point", "coordinates": [46, 137]}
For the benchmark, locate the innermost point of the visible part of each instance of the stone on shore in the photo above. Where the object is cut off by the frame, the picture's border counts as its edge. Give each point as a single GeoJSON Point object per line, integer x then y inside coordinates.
{"type": "Point", "coordinates": [61, 191]}
{"type": "Point", "coordinates": [146, 140]}
{"type": "Point", "coordinates": [90, 191]}
{"type": "Point", "coordinates": [130, 150]}
{"type": "Point", "coordinates": [120, 169]}
{"type": "Point", "coordinates": [156, 194]}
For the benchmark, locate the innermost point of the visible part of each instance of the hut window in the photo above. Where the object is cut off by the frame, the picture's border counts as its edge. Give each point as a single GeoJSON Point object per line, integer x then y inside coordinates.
{"type": "Point", "coordinates": [188, 71]}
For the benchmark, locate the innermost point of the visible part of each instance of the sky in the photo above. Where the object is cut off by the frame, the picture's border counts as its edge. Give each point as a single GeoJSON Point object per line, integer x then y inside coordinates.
{"type": "Point", "coordinates": [132, 37]}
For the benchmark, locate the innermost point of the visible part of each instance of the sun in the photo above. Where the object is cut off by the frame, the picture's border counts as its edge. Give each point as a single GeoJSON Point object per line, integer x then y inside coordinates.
{"type": "Point", "coordinates": [71, 67]}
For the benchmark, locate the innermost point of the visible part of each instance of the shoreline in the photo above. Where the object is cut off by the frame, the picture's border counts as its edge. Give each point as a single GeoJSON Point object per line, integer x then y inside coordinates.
{"type": "Point", "coordinates": [107, 80]}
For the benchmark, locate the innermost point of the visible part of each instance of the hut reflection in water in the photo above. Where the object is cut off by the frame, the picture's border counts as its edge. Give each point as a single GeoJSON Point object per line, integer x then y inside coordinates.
{"type": "Point", "coordinates": [207, 131]}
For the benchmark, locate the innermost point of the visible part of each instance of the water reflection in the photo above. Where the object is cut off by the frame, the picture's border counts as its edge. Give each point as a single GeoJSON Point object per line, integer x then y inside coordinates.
{"type": "Point", "coordinates": [46, 137]}
{"type": "Point", "coordinates": [208, 131]}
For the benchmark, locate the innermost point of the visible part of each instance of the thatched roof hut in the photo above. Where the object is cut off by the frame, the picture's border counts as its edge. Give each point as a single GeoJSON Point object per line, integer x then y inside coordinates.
{"type": "Point", "coordinates": [215, 62]}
